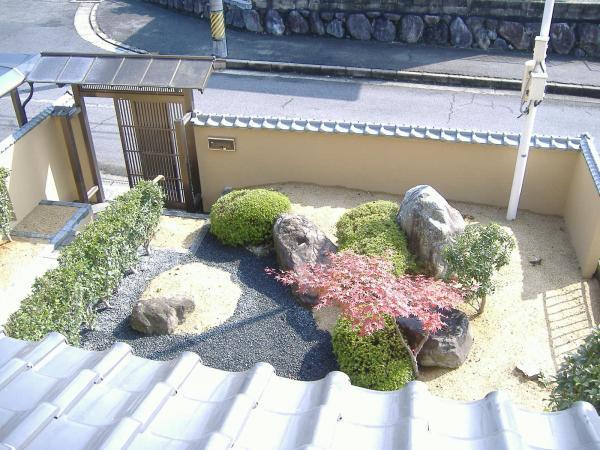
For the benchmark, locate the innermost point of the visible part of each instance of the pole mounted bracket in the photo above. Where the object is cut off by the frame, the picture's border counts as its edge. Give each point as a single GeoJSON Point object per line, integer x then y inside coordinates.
{"type": "Point", "coordinates": [535, 76]}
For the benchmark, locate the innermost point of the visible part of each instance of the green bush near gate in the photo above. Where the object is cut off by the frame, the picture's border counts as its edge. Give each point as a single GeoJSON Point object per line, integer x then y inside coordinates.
{"type": "Point", "coordinates": [371, 229]}
{"type": "Point", "coordinates": [246, 216]}
{"type": "Point", "coordinates": [378, 361]}
{"type": "Point", "coordinates": [6, 209]}
{"type": "Point", "coordinates": [90, 268]}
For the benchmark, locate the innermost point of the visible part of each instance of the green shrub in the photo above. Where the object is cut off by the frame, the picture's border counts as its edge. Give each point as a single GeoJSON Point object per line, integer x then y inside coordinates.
{"type": "Point", "coordinates": [376, 361]}
{"type": "Point", "coordinates": [474, 256]}
{"type": "Point", "coordinates": [579, 376]}
{"type": "Point", "coordinates": [246, 216]}
{"type": "Point", "coordinates": [6, 210]}
{"type": "Point", "coordinates": [90, 268]}
{"type": "Point", "coordinates": [371, 229]}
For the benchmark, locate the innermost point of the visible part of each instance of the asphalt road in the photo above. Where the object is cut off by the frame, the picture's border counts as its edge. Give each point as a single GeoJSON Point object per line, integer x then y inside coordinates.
{"type": "Point", "coordinates": [239, 93]}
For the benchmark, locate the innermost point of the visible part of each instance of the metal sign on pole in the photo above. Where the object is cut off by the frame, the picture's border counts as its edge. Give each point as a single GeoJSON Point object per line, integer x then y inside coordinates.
{"type": "Point", "coordinates": [532, 94]}
{"type": "Point", "coordinates": [217, 29]}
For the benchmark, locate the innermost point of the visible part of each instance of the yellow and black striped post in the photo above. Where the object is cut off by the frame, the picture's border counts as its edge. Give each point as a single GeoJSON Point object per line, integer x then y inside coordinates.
{"type": "Point", "coordinates": [217, 28]}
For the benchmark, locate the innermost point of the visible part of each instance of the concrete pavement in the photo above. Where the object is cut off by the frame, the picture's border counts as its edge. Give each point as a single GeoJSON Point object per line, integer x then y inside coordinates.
{"type": "Point", "coordinates": [156, 29]}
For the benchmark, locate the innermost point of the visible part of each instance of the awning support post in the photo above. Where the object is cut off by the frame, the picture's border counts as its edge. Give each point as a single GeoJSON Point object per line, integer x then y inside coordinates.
{"type": "Point", "coordinates": [19, 108]}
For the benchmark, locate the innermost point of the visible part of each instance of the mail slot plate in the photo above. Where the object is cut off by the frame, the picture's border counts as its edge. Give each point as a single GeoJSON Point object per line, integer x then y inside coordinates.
{"type": "Point", "coordinates": [222, 144]}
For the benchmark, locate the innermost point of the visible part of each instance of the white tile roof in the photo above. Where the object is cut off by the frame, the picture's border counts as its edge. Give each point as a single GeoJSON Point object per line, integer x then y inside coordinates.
{"type": "Point", "coordinates": [53, 396]}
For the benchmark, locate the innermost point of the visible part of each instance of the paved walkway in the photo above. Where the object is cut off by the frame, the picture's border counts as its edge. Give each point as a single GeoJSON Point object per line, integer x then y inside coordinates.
{"type": "Point", "coordinates": [156, 29]}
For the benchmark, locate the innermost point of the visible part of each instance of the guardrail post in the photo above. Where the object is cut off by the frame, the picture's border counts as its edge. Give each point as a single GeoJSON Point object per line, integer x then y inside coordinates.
{"type": "Point", "coordinates": [217, 29]}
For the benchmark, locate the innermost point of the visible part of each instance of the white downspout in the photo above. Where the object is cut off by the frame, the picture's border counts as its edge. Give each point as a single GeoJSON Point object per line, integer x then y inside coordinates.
{"type": "Point", "coordinates": [532, 94]}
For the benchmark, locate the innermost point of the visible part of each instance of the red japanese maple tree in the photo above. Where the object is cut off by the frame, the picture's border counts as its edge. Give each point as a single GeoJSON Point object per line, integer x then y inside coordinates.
{"type": "Point", "coordinates": [366, 291]}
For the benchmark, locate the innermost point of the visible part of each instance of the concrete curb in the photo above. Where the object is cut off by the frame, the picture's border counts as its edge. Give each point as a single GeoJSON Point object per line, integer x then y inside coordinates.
{"type": "Point", "coordinates": [407, 76]}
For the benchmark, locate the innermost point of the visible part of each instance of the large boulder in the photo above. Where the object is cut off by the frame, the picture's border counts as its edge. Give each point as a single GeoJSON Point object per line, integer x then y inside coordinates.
{"type": "Point", "coordinates": [430, 224]}
{"type": "Point", "coordinates": [589, 38]}
{"type": "Point", "coordinates": [316, 24]}
{"type": "Point", "coordinates": [448, 347]}
{"type": "Point", "coordinates": [160, 315]}
{"type": "Point", "coordinates": [252, 20]}
{"type": "Point", "coordinates": [274, 23]}
{"type": "Point", "coordinates": [460, 35]}
{"type": "Point", "coordinates": [411, 29]}
{"type": "Point", "coordinates": [359, 27]}
{"type": "Point", "coordinates": [335, 28]}
{"type": "Point", "coordinates": [298, 241]}
{"type": "Point", "coordinates": [235, 18]}
{"type": "Point", "coordinates": [437, 33]}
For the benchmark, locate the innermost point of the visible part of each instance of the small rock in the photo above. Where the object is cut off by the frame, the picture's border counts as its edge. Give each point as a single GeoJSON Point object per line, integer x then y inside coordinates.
{"type": "Point", "coordinates": [448, 347]}
{"type": "Point", "coordinates": [327, 15]}
{"type": "Point", "coordinates": [359, 27]}
{"type": "Point", "coordinates": [274, 23]}
{"type": "Point", "coordinates": [373, 14]}
{"type": "Point", "coordinates": [579, 53]}
{"type": "Point", "coordinates": [500, 44]}
{"type": "Point", "coordinates": [431, 20]}
{"type": "Point", "coordinates": [160, 315]}
{"type": "Point", "coordinates": [515, 34]}
{"type": "Point", "coordinates": [234, 18]}
{"type": "Point", "coordinates": [297, 23]}
{"type": "Point", "coordinates": [460, 35]}
{"type": "Point", "coordinates": [535, 261]}
{"type": "Point", "coordinates": [491, 24]}
{"type": "Point", "coordinates": [475, 23]}
{"type": "Point", "coordinates": [252, 20]}
{"type": "Point", "coordinates": [260, 250]}
{"type": "Point", "coordinates": [384, 30]}
{"type": "Point", "coordinates": [589, 38]}
{"type": "Point", "coordinates": [335, 28]}
{"type": "Point", "coordinates": [482, 38]}
{"type": "Point", "coordinates": [316, 24]}
{"type": "Point", "coordinates": [340, 15]}
{"type": "Point", "coordinates": [393, 17]}
{"type": "Point", "coordinates": [562, 38]}
{"type": "Point", "coordinates": [529, 370]}
{"type": "Point", "coordinates": [411, 29]}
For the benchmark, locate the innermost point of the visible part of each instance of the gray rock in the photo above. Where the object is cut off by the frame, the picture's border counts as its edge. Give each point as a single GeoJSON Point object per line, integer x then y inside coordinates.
{"type": "Point", "coordinates": [437, 34]}
{"type": "Point", "coordinates": [411, 29]}
{"type": "Point", "coordinates": [430, 224]}
{"type": "Point", "coordinates": [234, 18]}
{"type": "Point", "coordinates": [340, 15]}
{"type": "Point", "coordinates": [252, 20]}
{"type": "Point", "coordinates": [359, 27]}
{"type": "Point", "coordinates": [500, 44]}
{"type": "Point", "coordinates": [274, 23]}
{"type": "Point", "coordinates": [492, 35]}
{"type": "Point", "coordinates": [296, 23]}
{"type": "Point", "coordinates": [393, 17]}
{"type": "Point", "coordinates": [384, 30]}
{"type": "Point", "coordinates": [305, 13]}
{"type": "Point", "coordinates": [431, 20]}
{"type": "Point", "coordinates": [589, 38]}
{"type": "Point", "coordinates": [298, 241]}
{"type": "Point", "coordinates": [562, 38]}
{"type": "Point", "coordinates": [327, 15]}
{"type": "Point", "coordinates": [335, 28]}
{"type": "Point", "coordinates": [579, 53]}
{"type": "Point", "coordinates": [475, 23]}
{"type": "Point", "coordinates": [448, 347]}
{"type": "Point", "coordinates": [316, 24]}
{"type": "Point", "coordinates": [491, 24]}
{"type": "Point", "coordinates": [482, 38]}
{"type": "Point", "coordinates": [373, 14]}
{"type": "Point", "coordinates": [460, 35]}
{"type": "Point", "coordinates": [160, 315]}
{"type": "Point", "coordinates": [515, 34]}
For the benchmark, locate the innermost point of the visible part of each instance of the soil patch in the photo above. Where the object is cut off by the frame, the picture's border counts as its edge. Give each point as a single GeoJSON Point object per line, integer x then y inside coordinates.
{"type": "Point", "coordinates": [177, 232]}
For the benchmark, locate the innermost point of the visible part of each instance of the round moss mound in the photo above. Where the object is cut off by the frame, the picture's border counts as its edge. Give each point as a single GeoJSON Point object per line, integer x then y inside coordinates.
{"type": "Point", "coordinates": [378, 361]}
{"type": "Point", "coordinates": [371, 229]}
{"type": "Point", "coordinates": [246, 216]}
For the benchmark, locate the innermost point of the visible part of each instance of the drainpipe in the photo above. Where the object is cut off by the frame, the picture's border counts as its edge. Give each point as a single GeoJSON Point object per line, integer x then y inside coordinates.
{"type": "Point", "coordinates": [217, 29]}
{"type": "Point", "coordinates": [532, 94]}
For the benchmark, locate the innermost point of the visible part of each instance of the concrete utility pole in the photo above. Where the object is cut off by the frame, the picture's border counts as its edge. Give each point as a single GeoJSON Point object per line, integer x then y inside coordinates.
{"type": "Point", "coordinates": [532, 94]}
{"type": "Point", "coordinates": [217, 29]}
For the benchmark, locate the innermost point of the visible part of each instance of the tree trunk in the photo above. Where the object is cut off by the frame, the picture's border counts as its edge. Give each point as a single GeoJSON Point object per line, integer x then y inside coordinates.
{"type": "Point", "coordinates": [481, 306]}
{"type": "Point", "coordinates": [411, 354]}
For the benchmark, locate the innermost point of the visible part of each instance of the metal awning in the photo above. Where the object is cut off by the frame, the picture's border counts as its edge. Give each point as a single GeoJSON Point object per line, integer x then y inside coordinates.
{"type": "Point", "coordinates": [13, 70]}
{"type": "Point", "coordinates": [151, 71]}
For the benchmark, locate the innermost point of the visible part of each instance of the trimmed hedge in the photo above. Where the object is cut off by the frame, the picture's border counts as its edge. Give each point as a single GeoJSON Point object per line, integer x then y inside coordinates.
{"type": "Point", "coordinates": [246, 216]}
{"type": "Point", "coordinates": [378, 361]}
{"type": "Point", "coordinates": [371, 229]}
{"type": "Point", "coordinates": [90, 268]}
{"type": "Point", "coordinates": [6, 209]}
{"type": "Point", "coordinates": [578, 378]}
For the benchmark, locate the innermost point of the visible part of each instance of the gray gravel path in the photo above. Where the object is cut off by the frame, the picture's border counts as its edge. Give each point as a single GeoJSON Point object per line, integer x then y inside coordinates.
{"type": "Point", "coordinates": [268, 325]}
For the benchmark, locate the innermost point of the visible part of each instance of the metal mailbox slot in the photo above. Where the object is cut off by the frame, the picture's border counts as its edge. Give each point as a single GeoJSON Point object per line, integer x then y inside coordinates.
{"type": "Point", "coordinates": [223, 144]}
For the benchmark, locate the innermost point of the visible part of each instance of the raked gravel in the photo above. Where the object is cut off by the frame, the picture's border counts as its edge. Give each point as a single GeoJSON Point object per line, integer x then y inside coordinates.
{"type": "Point", "coordinates": [268, 325]}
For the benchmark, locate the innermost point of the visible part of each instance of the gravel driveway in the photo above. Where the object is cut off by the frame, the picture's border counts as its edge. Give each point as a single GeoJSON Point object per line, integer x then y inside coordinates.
{"type": "Point", "coordinates": [268, 325]}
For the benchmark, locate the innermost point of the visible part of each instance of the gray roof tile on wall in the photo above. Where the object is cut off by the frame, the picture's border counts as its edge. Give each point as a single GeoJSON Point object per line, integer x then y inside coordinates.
{"type": "Point", "coordinates": [360, 128]}
{"type": "Point", "coordinates": [53, 396]}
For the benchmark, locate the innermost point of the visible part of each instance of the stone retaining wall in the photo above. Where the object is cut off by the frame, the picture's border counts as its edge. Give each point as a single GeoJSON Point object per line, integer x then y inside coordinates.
{"type": "Point", "coordinates": [469, 26]}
